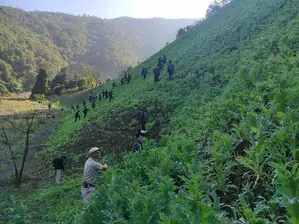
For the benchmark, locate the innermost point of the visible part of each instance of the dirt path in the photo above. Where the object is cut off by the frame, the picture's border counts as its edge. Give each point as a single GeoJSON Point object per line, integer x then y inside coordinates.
{"type": "Point", "coordinates": [75, 97]}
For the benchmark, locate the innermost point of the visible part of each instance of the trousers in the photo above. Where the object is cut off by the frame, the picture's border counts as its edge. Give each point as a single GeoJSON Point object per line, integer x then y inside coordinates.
{"type": "Point", "coordinates": [87, 193]}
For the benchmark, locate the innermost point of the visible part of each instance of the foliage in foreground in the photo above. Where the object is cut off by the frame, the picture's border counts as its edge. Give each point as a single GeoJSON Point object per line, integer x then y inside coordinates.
{"type": "Point", "coordinates": [230, 153]}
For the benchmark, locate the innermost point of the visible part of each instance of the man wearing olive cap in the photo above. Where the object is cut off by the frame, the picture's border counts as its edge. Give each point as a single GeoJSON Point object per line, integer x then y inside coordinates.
{"type": "Point", "coordinates": [91, 172]}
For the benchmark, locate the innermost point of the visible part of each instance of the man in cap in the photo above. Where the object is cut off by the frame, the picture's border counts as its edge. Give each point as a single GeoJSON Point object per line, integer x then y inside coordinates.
{"type": "Point", "coordinates": [91, 172]}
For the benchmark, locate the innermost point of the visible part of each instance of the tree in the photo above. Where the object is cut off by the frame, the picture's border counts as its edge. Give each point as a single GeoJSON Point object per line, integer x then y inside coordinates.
{"type": "Point", "coordinates": [187, 28]}
{"type": "Point", "coordinates": [26, 128]}
{"type": "Point", "coordinates": [225, 2]}
{"type": "Point", "coordinates": [7, 77]}
{"type": "Point", "coordinates": [40, 86]}
{"type": "Point", "coordinates": [3, 89]}
{"type": "Point", "coordinates": [82, 83]}
{"type": "Point", "coordinates": [91, 81]}
{"type": "Point", "coordinates": [5, 71]}
{"type": "Point", "coordinates": [59, 79]}
{"type": "Point", "coordinates": [213, 8]}
{"type": "Point", "coordinates": [181, 32]}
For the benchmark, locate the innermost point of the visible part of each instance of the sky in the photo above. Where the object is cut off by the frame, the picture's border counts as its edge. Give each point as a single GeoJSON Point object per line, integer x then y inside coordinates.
{"type": "Point", "coordinates": [116, 8]}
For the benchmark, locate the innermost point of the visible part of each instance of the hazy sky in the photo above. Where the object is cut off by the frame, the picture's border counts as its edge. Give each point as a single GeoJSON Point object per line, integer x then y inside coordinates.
{"type": "Point", "coordinates": [117, 8]}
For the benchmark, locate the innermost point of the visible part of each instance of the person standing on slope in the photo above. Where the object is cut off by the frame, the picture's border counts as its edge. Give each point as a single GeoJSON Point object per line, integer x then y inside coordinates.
{"type": "Point", "coordinates": [58, 164]}
{"type": "Point", "coordinates": [93, 104]}
{"type": "Point", "coordinates": [129, 77]}
{"type": "Point", "coordinates": [142, 119]}
{"type": "Point", "coordinates": [137, 146]}
{"type": "Point", "coordinates": [113, 84]}
{"type": "Point", "coordinates": [156, 72]}
{"type": "Point", "coordinates": [111, 97]}
{"type": "Point", "coordinates": [144, 73]}
{"type": "Point", "coordinates": [164, 60]}
{"type": "Point", "coordinates": [160, 63]}
{"type": "Point", "coordinates": [170, 70]}
{"type": "Point", "coordinates": [77, 115]}
{"type": "Point", "coordinates": [85, 110]}
{"type": "Point", "coordinates": [91, 172]}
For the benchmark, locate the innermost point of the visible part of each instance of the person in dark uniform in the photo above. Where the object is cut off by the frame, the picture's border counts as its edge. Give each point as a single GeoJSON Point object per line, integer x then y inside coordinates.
{"type": "Point", "coordinates": [85, 110]}
{"type": "Point", "coordinates": [156, 72]}
{"type": "Point", "coordinates": [58, 164]}
{"type": "Point", "coordinates": [77, 115]}
{"type": "Point", "coordinates": [170, 70]}
{"type": "Point", "coordinates": [110, 95]}
{"type": "Point", "coordinates": [93, 104]}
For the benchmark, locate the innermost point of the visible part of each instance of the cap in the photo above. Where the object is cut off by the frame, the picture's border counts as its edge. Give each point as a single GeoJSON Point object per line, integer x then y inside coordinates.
{"type": "Point", "coordinates": [93, 149]}
{"type": "Point", "coordinates": [143, 131]}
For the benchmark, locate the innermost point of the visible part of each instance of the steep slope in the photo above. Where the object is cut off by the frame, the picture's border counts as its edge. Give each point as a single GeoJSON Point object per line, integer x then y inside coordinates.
{"type": "Point", "coordinates": [232, 129]}
{"type": "Point", "coordinates": [33, 40]}
{"type": "Point", "coordinates": [228, 152]}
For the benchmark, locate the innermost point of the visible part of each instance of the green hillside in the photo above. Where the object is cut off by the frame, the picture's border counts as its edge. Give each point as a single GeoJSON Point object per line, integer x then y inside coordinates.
{"type": "Point", "coordinates": [228, 125]}
{"type": "Point", "coordinates": [33, 40]}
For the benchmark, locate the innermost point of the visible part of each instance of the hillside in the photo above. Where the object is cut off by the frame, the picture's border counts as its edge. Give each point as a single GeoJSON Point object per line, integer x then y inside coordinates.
{"type": "Point", "coordinates": [33, 40]}
{"type": "Point", "coordinates": [222, 136]}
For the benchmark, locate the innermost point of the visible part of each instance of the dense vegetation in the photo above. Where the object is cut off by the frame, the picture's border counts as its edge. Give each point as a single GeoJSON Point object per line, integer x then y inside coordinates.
{"type": "Point", "coordinates": [30, 41]}
{"type": "Point", "coordinates": [74, 78]}
{"type": "Point", "coordinates": [229, 125]}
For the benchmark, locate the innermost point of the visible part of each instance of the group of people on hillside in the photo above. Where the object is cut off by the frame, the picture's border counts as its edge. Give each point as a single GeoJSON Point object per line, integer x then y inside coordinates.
{"type": "Point", "coordinates": [162, 61]}
{"type": "Point", "coordinates": [105, 94]}
{"type": "Point", "coordinates": [92, 167]}
{"type": "Point", "coordinates": [109, 94]}
{"type": "Point", "coordinates": [126, 79]}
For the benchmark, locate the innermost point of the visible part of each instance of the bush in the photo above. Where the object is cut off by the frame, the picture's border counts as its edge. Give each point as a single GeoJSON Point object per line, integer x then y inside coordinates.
{"type": "Point", "coordinates": [12, 211]}
{"type": "Point", "coordinates": [37, 97]}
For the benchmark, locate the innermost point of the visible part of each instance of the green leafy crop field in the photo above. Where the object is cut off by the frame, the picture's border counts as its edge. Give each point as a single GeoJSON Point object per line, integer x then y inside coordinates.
{"type": "Point", "coordinates": [228, 121]}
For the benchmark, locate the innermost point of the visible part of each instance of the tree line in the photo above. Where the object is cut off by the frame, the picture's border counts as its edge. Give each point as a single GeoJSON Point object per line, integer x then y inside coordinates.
{"type": "Point", "coordinates": [71, 79]}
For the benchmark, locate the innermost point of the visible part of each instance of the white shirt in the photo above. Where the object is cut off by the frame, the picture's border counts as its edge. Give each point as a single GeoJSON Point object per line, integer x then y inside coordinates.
{"type": "Point", "coordinates": [91, 171]}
